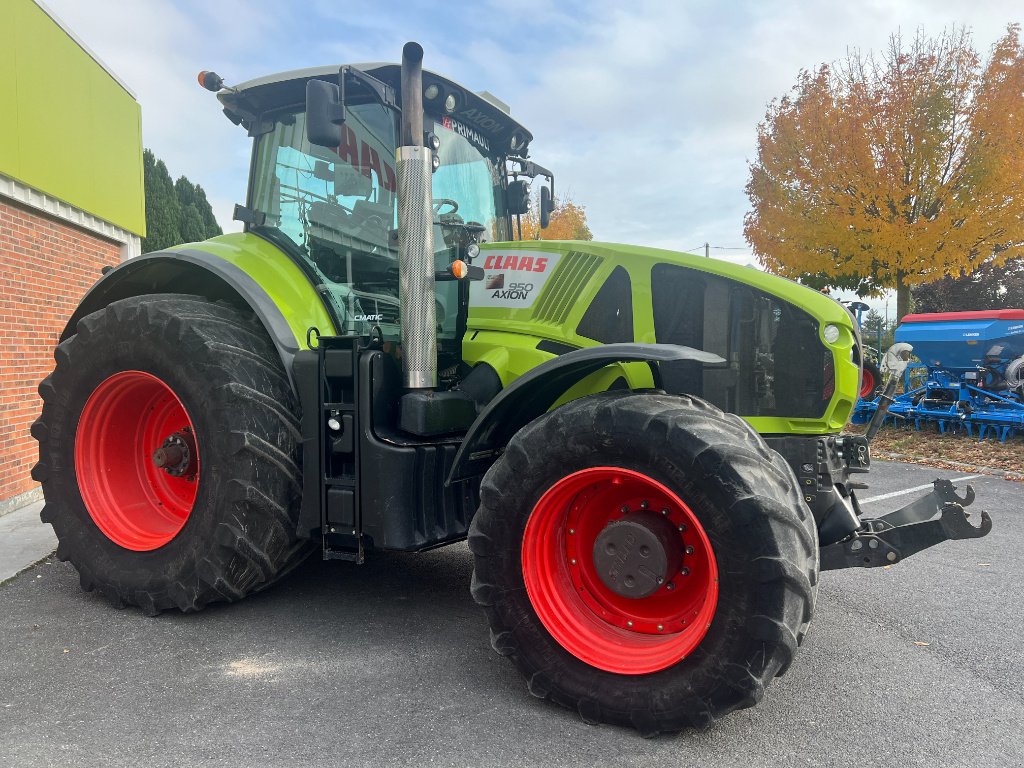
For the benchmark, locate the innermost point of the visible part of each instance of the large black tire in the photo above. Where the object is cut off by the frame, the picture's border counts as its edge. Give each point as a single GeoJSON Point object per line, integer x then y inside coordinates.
{"type": "Point", "coordinates": [871, 381]}
{"type": "Point", "coordinates": [217, 361]}
{"type": "Point", "coordinates": [742, 493]}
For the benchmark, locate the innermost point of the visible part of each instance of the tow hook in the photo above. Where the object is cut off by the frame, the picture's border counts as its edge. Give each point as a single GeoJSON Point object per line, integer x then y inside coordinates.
{"type": "Point", "coordinates": [898, 535]}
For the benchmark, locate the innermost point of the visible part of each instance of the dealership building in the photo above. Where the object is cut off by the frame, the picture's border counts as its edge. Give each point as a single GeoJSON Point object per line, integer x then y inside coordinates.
{"type": "Point", "coordinates": [71, 203]}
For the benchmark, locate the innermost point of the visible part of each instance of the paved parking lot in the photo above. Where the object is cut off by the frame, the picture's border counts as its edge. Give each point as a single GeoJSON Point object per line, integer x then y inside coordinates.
{"type": "Point", "coordinates": [389, 664]}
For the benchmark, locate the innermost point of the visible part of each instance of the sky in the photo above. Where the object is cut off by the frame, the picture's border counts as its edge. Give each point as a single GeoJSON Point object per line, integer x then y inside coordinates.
{"type": "Point", "coordinates": [646, 111]}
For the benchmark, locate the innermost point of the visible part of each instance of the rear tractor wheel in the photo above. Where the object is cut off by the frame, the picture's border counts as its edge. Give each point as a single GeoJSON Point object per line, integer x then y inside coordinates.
{"type": "Point", "coordinates": [644, 559]}
{"type": "Point", "coordinates": [169, 449]}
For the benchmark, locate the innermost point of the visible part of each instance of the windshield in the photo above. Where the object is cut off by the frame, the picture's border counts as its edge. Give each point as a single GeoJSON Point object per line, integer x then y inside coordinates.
{"type": "Point", "coordinates": [468, 206]}
{"type": "Point", "coordinates": [337, 210]}
{"type": "Point", "coordinates": [469, 177]}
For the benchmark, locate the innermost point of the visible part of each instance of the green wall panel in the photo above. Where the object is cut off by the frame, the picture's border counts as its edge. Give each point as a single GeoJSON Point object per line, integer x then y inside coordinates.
{"type": "Point", "coordinates": [67, 128]}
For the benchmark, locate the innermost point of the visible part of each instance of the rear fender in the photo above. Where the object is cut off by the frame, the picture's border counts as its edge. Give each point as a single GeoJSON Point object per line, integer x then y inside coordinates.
{"type": "Point", "coordinates": [225, 269]}
{"type": "Point", "coordinates": [532, 395]}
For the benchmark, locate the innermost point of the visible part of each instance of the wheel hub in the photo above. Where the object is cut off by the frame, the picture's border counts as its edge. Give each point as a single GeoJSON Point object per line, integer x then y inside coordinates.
{"type": "Point", "coordinates": [175, 455]}
{"type": "Point", "coordinates": [634, 556]}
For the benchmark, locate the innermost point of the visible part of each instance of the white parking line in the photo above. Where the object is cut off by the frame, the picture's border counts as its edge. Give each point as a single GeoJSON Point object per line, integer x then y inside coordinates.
{"type": "Point", "coordinates": [912, 490]}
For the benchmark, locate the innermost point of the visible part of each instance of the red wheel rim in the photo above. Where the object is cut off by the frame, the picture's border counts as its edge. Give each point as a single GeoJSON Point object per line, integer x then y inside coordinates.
{"type": "Point", "coordinates": [136, 504]}
{"type": "Point", "coordinates": [625, 635]}
{"type": "Point", "coordinates": [867, 384]}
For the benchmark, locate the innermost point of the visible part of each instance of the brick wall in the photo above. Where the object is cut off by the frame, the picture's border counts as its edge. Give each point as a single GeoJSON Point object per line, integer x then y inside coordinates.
{"type": "Point", "coordinates": [46, 266]}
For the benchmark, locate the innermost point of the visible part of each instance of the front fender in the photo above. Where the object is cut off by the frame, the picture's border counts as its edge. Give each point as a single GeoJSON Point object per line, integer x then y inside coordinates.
{"type": "Point", "coordinates": [533, 394]}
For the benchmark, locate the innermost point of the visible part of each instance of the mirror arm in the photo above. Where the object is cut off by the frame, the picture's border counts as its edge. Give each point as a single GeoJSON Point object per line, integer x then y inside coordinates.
{"type": "Point", "coordinates": [385, 93]}
{"type": "Point", "coordinates": [532, 170]}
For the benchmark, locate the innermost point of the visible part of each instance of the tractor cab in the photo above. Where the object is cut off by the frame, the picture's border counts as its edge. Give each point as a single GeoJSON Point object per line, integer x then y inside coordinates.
{"type": "Point", "coordinates": [333, 205]}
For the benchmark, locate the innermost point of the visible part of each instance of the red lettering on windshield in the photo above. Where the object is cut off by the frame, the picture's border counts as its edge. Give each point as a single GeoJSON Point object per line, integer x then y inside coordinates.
{"type": "Point", "coordinates": [349, 148]}
{"type": "Point", "coordinates": [371, 162]}
{"type": "Point", "coordinates": [365, 159]}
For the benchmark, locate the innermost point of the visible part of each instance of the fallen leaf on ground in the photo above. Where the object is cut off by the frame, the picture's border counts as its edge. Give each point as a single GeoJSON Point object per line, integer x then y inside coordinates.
{"type": "Point", "coordinates": [916, 642]}
{"type": "Point", "coordinates": [931, 448]}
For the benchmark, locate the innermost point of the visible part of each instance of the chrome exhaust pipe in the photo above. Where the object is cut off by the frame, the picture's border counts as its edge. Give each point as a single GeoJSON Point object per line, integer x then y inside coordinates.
{"type": "Point", "coordinates": [415, 232]}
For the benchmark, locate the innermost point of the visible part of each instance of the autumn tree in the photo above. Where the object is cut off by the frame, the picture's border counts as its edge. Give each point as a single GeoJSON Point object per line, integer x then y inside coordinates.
{"type": "Point", "coordinates": [568, 222]}
{"type": "Point", "coordinates": [886, 172]}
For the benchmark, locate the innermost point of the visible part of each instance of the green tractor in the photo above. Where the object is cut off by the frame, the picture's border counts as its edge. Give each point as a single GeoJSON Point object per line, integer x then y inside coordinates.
{"type": "Point", "coordinates": [643, 449]}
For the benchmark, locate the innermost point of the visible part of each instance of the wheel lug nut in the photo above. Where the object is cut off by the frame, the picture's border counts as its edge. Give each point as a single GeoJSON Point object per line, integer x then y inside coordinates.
{"type": "Point", "coordinates": [629, 623]}
{"type": "Point", "coordinates": [682, 527]}
{"type": "Point", "coordinates": [670, 586]}
{"type": "Point", "coordinates": [624, 509]}
{"type": "Point", "coordinates": [689, 550]}
{"type": "Point", "coordinates": [664, 512]}
{"type": "Point", "coordinates": [684, 571]}
{"type": "Point", "coordinates": [644, 504]}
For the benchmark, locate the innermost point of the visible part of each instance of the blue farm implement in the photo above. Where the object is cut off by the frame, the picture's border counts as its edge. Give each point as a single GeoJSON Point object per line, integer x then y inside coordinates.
{"type": "Point", "coordinates": [974, 381]}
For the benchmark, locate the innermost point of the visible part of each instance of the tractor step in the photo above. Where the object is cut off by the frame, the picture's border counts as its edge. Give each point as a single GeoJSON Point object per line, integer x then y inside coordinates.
{"type": "Point", "coordinates": [905, 532]}
{"type": "Point", "coordinates": [337, 546]}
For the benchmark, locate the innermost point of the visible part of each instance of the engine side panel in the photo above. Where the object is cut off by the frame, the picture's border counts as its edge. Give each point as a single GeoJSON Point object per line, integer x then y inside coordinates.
{"type": "Point", "coordinates": [540, 299]}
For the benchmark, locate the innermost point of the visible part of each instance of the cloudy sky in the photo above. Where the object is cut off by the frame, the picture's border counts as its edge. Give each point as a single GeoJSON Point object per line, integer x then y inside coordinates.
{"type": "Point", "coordinates": [646, 111]}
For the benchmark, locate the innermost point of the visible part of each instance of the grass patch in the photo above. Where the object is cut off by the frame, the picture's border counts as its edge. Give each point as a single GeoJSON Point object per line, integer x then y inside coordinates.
{"type": "Point", "coordinates": [929, 446]}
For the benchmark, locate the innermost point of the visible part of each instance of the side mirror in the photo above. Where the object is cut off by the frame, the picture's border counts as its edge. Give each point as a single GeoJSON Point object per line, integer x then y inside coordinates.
{"type": "Point", "coordinates": [324, 113]}
{"type": "Point", "coordinates": [547, 205]}
{"type": "Point", "coordinates": [518, 197]}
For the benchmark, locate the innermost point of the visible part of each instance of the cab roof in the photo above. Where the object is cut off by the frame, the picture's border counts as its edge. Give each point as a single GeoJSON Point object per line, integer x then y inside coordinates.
{"type": "Point", "coordinates": [481, 112]}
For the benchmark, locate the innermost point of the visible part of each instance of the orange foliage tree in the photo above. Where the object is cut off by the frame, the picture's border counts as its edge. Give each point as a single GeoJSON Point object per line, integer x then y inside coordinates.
{"type": "Point", "coordinates": [568, 222]}
{"type": "Point", "coordinates": [882, 173]}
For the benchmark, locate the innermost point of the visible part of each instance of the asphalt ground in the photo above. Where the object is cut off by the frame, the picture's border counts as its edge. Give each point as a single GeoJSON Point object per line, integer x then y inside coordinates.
{"type": "Point", "coordinates": [389, 664]}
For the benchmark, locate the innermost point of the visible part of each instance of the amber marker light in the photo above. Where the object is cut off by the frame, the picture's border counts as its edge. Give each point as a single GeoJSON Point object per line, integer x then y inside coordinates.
{"type": "Point", "coordinates": [211, 81]}
{"type": "Point", "coordinates": [459, 269]}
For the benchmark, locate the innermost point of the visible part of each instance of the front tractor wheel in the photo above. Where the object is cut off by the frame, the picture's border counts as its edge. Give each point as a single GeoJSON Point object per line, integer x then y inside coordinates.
{"type": "Point", "coordinates": [644, 559]}
{"type": "Point", "coordinates": [169, 448]}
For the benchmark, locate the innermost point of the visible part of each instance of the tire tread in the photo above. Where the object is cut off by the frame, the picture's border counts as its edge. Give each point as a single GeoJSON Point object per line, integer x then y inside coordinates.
{"type": "Point", "coordinates": [762, 484]}
{"type": "Point", "coordinates": [255, 543]}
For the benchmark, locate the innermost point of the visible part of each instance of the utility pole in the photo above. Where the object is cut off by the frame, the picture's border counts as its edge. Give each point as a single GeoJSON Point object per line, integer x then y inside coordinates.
{"type": "Point", "coordinates": [707, 251]}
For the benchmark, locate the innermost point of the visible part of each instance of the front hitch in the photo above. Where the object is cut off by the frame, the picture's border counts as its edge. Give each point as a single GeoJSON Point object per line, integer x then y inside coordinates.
{"type": "Point", "coordinates": [905, 532]}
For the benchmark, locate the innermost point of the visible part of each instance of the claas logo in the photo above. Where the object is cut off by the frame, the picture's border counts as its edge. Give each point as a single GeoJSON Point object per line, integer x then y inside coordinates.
{"type": "Point", "coordinates": [495, 281]}
{"type": "Point", "coordinates": [518, 263]}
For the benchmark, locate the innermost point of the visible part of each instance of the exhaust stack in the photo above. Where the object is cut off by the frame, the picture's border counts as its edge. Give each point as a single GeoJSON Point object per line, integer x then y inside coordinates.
{"type": "Point", "coordinates": [415, 232]}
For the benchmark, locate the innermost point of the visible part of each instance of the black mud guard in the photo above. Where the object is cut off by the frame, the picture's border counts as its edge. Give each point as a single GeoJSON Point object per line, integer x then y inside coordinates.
{"type": "Point", "coordinates": [533, 394]}
{"type": "Point", "coordinates": [193, 272]}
